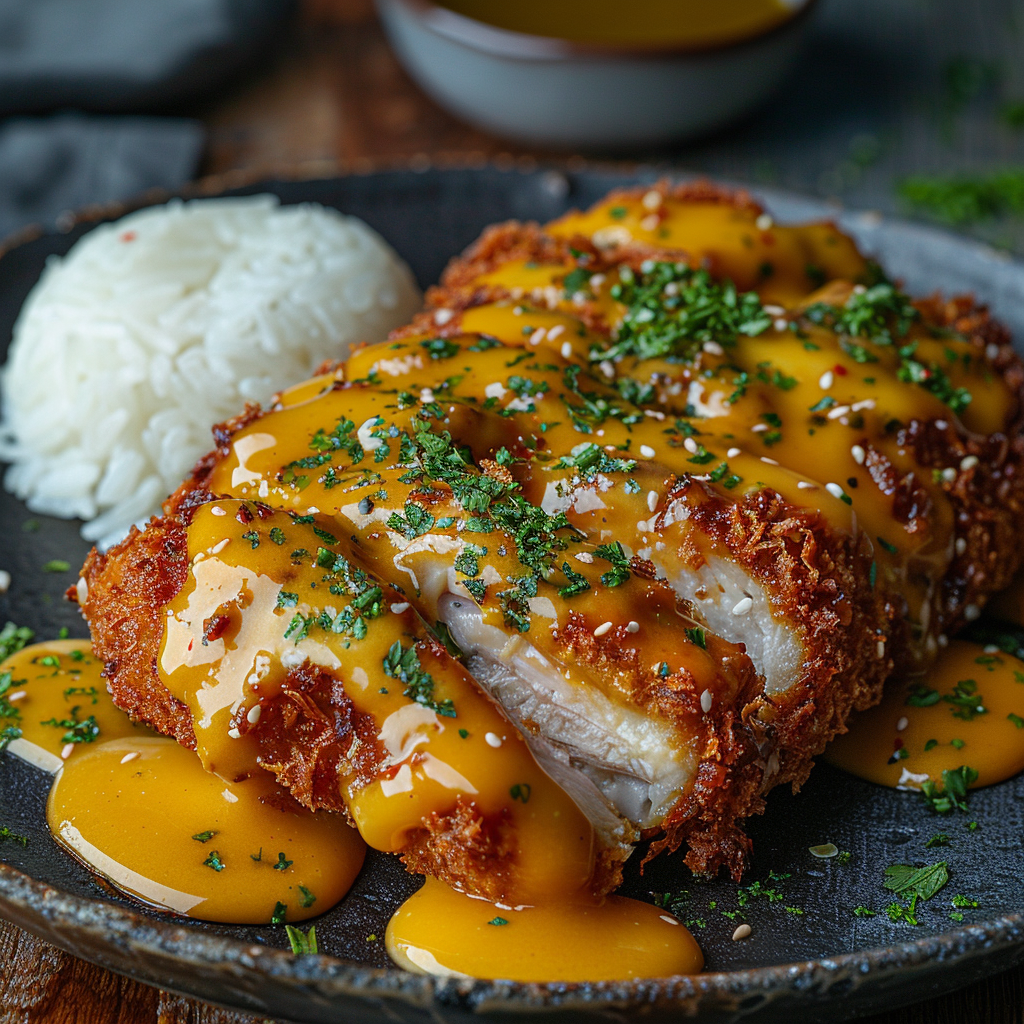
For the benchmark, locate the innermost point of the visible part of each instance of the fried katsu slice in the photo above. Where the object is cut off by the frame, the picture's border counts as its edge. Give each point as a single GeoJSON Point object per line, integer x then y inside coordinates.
{"type": "Point", "coordinates": [677, 531]}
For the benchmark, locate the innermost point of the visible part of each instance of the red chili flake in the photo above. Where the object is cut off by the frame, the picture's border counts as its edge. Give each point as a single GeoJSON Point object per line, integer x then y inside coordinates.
{"type": "Point", "coordinates": [243, 515]}
{"type": "Point", "coordinates": [840, 371]}
{"type": "Point", "coordinates": [190, 643]}
{"type": "Point", "coordinates": [129, 236]}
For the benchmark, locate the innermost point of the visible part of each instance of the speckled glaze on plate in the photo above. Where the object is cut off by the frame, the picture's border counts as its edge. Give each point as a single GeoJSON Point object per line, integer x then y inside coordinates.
{"type": "Point", "coordinates": [823, 964]}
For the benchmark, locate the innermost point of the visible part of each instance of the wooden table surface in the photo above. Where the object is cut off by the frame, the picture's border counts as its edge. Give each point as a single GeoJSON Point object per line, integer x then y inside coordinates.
{"type": "Point", "coordinates": [335, 94]}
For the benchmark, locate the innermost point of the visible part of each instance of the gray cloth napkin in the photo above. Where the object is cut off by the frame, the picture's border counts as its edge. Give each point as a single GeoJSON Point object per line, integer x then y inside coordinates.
{"type": "Point", "coordinates": [50, 165]}
{"type": "Point", "coordinates": [127, 55]}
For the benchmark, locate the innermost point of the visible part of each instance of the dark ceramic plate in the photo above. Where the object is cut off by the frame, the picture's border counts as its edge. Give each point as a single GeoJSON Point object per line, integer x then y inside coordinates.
{"type": "Point", "coordinates": [809, 958]}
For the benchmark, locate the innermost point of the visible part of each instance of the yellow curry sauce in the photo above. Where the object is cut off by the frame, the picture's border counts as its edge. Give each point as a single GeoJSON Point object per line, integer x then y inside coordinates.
{"type": "Point", "coordinates": [649, 24]}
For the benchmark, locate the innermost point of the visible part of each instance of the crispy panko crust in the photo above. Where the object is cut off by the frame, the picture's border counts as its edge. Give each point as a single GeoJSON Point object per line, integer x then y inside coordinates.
{"type": "Point", "coordinates": [819, 581]}
{"type": "Point", "coordinates": [307, 736]}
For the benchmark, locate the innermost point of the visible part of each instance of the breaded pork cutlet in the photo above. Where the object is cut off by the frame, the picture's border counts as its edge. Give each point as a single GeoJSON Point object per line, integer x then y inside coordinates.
{"type": "Point", "coordinates": [675, 487]}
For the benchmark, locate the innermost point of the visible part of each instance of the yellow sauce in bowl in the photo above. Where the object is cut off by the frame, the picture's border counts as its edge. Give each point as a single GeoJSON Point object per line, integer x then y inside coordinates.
{"type": "Point", "coordinates": [652, 24]}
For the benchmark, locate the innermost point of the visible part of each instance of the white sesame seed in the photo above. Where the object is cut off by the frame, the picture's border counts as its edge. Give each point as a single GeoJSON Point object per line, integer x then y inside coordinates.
{"type": "Point", "coordinates": [941, 424]}
{"type": "Point", "coordinates": [806, 485]}
{"type": "Point", "coordinates": [253, 715]}
{"type": "Point", "coordinates": [538, 336]}
{"type": "Point", "coordinates": [559, 329]}
{"type": "Point", "coordinates": [943, 640]}
{"type": "Point", "coordinates": [426, 395]}
{"type": "Point", "coordinates": [858, 454]}
{"type": "Point", "coordinates": [770, 462]}
{"type": "Point", "coordinates": [742, 606]}
{"type": "Point", "coordinates": [867, 403]}
{"type": "Point", "coordinates": [902, 724]}
{"type": "Point", "coordinates": [15, 697]}
{"type": "Point", "coordinates": [5, 581]}
{"type": "Point", "coordinates": [654, 414]}
{"type": "Point", "coordinates": [839, 410]}
{"type": "Point", "coordinates": [651, 200]}
{"type": "Point", "coordinates": [880, 648]}
{"type": "Point", "coordinates": [652, 500]}
{"type": "Point", "coordinates": [633, 626]}
{"type": "Point", "coordinates": [991, 350]}
{"type": "Point", "coordinates": [713, 348]}
{"type": "Point", "coordinates": [859, 289]}
{"type": "Point", "coordinates": [495, 390]}
{"type": "Point", "coordinates": [400, 606]}
{"type": "Point", "coordinates": [216, 510]}
{"type": "Point", "coordinates": [732, 453]}
{"type": "Point", "coordinates": [991, 649]}
{"type": "Point", "coordinates": [774, 310]}
{"type": "Point", "coordinates": [606, 368]}
{"type": "Point", "coordinates": [757, 428]}
{"type": "Point", "coordinates": [220, 546]}
{"type": "Point", "coordinates": [566, 349]}
{"type": "Point", "coordinates": [518, 310]}
{"type": "Point", "coordinates": [596, 280]}
{"type": "Point", "coordinates": [650, 222]}
{"type": "Point", "coordinates": [742, 932]}
{"type": "Point", "coordinates": [312, 511]}
{"type": "Point", "coordinates": [605, 627]}
{"type": "Point", "coordinates": [492, 739]}
{"type": "Point", "coordinates": [648, 452]}
{"type": "Point", "coordinates": [667, 919]}
{"type": "Point", "coordinates": [442, 316]}
{"type": "Point", "coordinates": [706, 700]}
{"type": "Point", "coordinates": [968, 463]}
{"type": "Point", "coordinates": [764, 222]}
{"type": "Point", "coordinates": [82, 590]}
{"type": "Point", "coordinates": [130, 756]}
{"type": "Point", "coordinates": [971, 612]}
{"type": "Point", "coordinates": [781, 324]}
{"type": "Point", "coordinates": [66, 751]}
{"type": "Point", "coordinates": [585, 557]}
{"type": "Point", "coordinates": [948, 474]}
{"type": "Point", "coordinates": [961, 545]}
{"type": "Point", "coordinates": [690, 445]}
{"type": "Point", "coordinates": [834, 489]}
{"type": "Point", "coordinates": [826, 380]}
{"type": "Point", "coordinates": [234, 733]}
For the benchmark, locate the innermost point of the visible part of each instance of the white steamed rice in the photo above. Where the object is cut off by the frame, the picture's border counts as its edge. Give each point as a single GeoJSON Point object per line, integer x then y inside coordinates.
{"type": "Point", "coordinates": [156, 327]}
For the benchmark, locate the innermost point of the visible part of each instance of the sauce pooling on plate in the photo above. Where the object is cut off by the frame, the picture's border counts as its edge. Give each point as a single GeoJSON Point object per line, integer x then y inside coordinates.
{"type": "Point", "coordinates": [443, 932]}
{"type": "Point", "coordinates": [55, 702]}
{"type": "Point", "coordinates": [147, 816]}
{"type": "Point", "coordinates": [968, 712]}
{"type": "Point", "coordinates": [142, 812]}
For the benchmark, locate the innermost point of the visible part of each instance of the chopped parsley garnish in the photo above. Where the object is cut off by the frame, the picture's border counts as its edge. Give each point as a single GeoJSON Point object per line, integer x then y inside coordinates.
{"type": "Point", "coordinates": [403, 664]}
{"type": "Point", "coordinates": [498, 921]}
{"type": "Point", "coordinates": [283, 864]}
{"type": "Point", "coordinates": [301, 942]}
{"type": "Point", "coordinates": [6, 833]}
{"type": "Point", "coordinates": [697, 636]}
{"type": "Point", "coordinates": [577, 583]}
{"type": "Point", "coordinates": [952, 793]}
{"type": "Point", "coordinates": [674, 310]}
{"type": "Point", "coordinates": [280, 913]}
{"type": "Point", "coordinates": [205, 837]}
{"type": "Point", "coordinates": [521, 791]}
{"type": "Point", "coordinates": [214, 861]}
{"type": "Point", "coordinates": [308, 899]}
{"type": "Point", "coordinates": [78, 730]}
{"type": "Point", "coordinates": [56, 565]}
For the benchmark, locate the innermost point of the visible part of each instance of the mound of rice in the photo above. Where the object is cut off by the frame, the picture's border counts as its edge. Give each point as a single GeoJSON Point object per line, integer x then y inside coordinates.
{"type": "Point", "coordinates": [157, 326]}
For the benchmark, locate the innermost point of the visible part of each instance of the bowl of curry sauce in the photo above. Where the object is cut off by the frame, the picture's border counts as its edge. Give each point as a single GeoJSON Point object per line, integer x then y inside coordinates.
{"type": "Point", "coordinates": [597, 73]}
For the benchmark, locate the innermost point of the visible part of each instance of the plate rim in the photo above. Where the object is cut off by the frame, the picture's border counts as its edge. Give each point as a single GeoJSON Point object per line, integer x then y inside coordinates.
{"type": "Point", "coordinates": [812, 980]}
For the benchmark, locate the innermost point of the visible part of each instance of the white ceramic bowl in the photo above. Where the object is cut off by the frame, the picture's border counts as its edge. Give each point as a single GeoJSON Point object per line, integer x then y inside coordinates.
{"type": "Point", "coordinates": [568, 95]}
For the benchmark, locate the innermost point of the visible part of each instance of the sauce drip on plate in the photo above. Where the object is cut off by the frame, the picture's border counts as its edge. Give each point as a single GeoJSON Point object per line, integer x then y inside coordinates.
{"type": "Point", "coordinates": [146, 815]}
{"type": "Point", "coordinates": [443, 932]}
{"type": "Point", "coordinates": [59, 703]}
{"type": "Point", "coordinates": [969, 711]}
